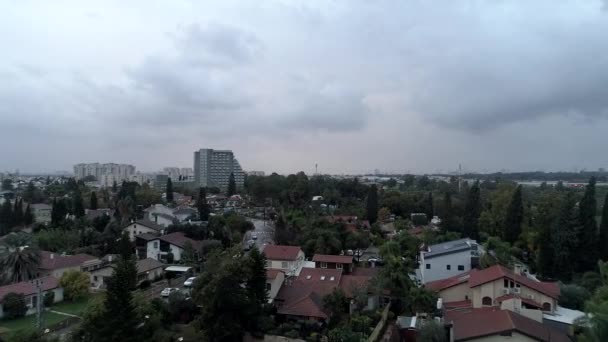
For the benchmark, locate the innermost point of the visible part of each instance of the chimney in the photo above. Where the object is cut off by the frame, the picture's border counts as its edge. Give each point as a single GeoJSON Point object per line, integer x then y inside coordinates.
{"type": "Point", "coordinates": [52, 256]}
{"type": "Point", "coordinates": [517, 269]}
{"type": "Point", "coordinates": [155, 218]}
{"type": "Point", "coordinates": [110, 258]}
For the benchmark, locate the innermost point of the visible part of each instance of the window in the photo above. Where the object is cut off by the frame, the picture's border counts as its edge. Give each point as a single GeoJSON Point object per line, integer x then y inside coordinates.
{"type": "Point", "coordinates": [448, 267]}
{"type": "Point", "coordinates": [506, 282]}
{"type": "Point", "coordinates": [461, 267]}
{"type": "Point", "coordinates": [94, 278]}
{"type": "Point", "coordinates": [486, 301]}
{"type": "Point", "coordinates": [428, 266]}
{"type": "Point", "coordinates": [284, 264]}
{"type": "Point", "coordinates": [268, 286]}
{"type": "Point", "coordinates": [323, 265]}
{"type": "Point", "coordinates": [339, 266]}
{"type": "Point", "coordinates": [546, 306]}
{"type": "Point", "coordinates": [155, 244]}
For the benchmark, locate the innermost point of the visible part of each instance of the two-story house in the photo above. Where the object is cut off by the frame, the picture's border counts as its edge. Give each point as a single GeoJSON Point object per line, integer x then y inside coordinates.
{"type": "Point", "coordinates": [143, 227]}
{"type": "Point", "coordinates": [501, 288]}
{"type": "Point", "coordinates": [160, 246]}
{"type": "Point", "coordinates": [447, 259]}
{"type": "Point", "coordinates": [338, 262]}
{"type": "Point", "coordinates": [288, 259]}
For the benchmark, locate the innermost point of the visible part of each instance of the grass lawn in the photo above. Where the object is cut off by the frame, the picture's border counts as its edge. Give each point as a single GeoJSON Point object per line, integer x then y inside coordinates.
{"type": "Point", "coordinates": [28, 322]}
{"type": "Point", "coordinates": [74, 308]}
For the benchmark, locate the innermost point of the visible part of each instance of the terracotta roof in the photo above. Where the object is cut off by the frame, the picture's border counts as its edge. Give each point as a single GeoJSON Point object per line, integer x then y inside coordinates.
{"type": "Point", "coordinates": [279, 252]}
{"type": "Point", "coordinates": [54, 261]}
{"type": "Point", "coordinates": [350, 283]}
{"type": "Point", "coordinates": [497, 272]}
{"type": "Point", "coordinates": [443, 284]}
{"type": "Point", "coordinates": [179, 239]}
{"type": "Point", "coordinates": [149, 224]}
{"type": "Point", "coordinates": [338, 259]}
{"type": "Point", "coordinates": [457, 305]}
{"type": "Point", "coordinates": [148, 264]}
{"type": "Point", "coordinates": [482, 323]}
{"type": "Point", "coordinates": [272, 273]}
{"type": "Point", "coordinates": [28, 288]}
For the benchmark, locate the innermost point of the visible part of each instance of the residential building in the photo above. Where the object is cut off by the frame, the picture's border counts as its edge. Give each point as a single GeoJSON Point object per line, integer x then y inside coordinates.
{"type": "Point", "coordinates": [143, 226]}
{"type": "Point", "coordinates": [119, 172]}
{"type": "Point", "coordinates": [29, 290]}
{"type": "Point", "coordinates": [336, 262]}
{"type": "Point", "coordinates": [158, 247]}
{"type": "Point", "coordinates": [274, 281]}
{"type": "Point", "coordinates": [255, 173]}
{"type": "Point", "coordinates": [41, 212]}
{"type": "Point", "coordinates": [212, 168]}
{"type": "Point", "coordinates": [447, 259]}
{"type": "Point", "coordinates": [498, 287]}
{"type": "Point", "coordinates": [147, 269]}
{"type": "Point", "coordinates": [55, 264]}
{"type": "Point", "coordinates": [178, 174]}
{"type": "Point", "coordinates": [288, 259]}
{"type": "Point", "coordinates": [183, 214]}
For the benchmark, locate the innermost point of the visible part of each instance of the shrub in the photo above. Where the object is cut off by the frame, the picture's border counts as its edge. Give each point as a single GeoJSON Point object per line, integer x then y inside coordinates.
{"type": "Point", "coordinates": [75, 284]}
{"type": "Point", "coordinates": [144, 284]}
{"type": "Point", "coordinates": [49, 299]}
{"type": "Point", "coordinates": [14, 305]}
{"type": "Point", "coordinates": [573, 297]}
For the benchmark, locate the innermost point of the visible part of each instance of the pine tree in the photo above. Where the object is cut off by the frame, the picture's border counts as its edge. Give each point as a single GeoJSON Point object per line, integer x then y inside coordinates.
{"type": "Point", "coordinates": [93, 200]}
{"type": "Point", "coordinates": [603, 238]}
{"type": "Point", "coordinates": [429, 210]}
{"type": "Point", "coordinates": [472, 211]}
{"type": "Point", "coordinates": [547, 211]}
{"type": "Point", "coordinates": [169, 190]}
{"type": "Point", "coordinates": [448, 223]}
{"type": "Point", "coordinates": [6, 217]}
{"type": "Point", "coordinates": [18, 212]}
{"type": "Point", "coordinates": [587, 235]}
{"type": "Point", "coordinates": [564, 240]}
{"type": "Point", "coordinates": [372, 204]}
{"type": "Point", "coordinates": [514, 217]}
{"type": "Point", "coordinates": [114, 187]}
{"type": "Point", "coordinates": [78, 205]}
{"type": "Point", "coordinates": [256, 280]}
{"type": "Point", "coordinates": [231, 185]}
{"type": "Point", "coordinates": [201, 205]}
{"type": "Point", "coordinates": [28, 217]}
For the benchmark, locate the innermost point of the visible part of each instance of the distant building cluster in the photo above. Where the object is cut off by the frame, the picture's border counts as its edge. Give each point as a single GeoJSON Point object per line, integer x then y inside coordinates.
{"type": "Point", "coordinates": [255, 173]}
{"type": "Point", "coordinates": [176, 173]}
{"type": "Point", "coordinates": [212, 168]}
{"type": "Point", "coordinates": [106, 174]}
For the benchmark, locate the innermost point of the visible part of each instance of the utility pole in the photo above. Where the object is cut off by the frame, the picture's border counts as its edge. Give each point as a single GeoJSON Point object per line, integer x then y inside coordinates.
{"type": "Point", "coordinates": [39, 305]}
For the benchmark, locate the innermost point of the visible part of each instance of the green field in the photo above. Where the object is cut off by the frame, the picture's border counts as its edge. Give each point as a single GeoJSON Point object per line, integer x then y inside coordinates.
{"type": "Point", "coordinates": [73, 308]}
{"type": "Point", "coordinates": [28, 323]}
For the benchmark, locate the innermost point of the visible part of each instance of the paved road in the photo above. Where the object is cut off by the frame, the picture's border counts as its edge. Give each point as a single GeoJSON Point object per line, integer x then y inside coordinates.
{"type": "Point", "coordinates": [264, 230]}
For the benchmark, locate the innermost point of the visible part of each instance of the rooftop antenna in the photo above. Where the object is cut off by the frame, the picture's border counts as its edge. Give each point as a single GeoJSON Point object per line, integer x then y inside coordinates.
{"type": "Point", "coordinates": [316, 169]}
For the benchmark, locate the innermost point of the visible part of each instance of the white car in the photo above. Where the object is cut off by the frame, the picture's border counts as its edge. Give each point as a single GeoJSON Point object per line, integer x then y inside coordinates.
{"type": "Point", "coordinates": [168, 291]}
{"type": "Point", "coordinates": [189, 282]}
{"type": "Point", "coordinates": [254, 237]}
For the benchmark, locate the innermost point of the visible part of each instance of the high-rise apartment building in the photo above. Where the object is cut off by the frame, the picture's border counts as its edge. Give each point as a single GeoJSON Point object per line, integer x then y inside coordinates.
{"type": "Point", "coordinates": [110, 172]}
{"type": "Point", "coordinates": [212, 168]}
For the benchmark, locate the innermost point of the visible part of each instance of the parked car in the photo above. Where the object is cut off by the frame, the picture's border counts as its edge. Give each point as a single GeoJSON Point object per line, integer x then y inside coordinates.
{"type": "Point", "coordinates": [168, 291]}
{"type": "Point", "coordinates": [376, 261]}
{"type": "Point", "coordinates": [254, 236]}
{"type": "Point", "coordinates": [189, 282]}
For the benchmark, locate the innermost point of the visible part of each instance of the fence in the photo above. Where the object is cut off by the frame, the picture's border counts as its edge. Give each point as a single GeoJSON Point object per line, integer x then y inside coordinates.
{"type": "Point", "coordinates": [380, 327]}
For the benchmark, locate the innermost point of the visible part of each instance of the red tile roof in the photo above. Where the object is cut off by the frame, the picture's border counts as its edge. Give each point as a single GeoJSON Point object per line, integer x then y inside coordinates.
{"type": "Point", "coordinates": [338, 259]}
{"type": "Point", "coordinates": [482, 322]}
{"type": "Point", "coordinates": [54, 261]}
{"type": "Point", "coordinates": [272, 273]}
{"type": "Point", "coordinates": [349, 284]}
{"type": "Point", "coordinates": [443, 284]}
{"type": "Point", "coordinates": [28, 288]}
{"type": "Point", "coordinates": [279, 252]}
{"type": "Point", "coordinates": [498, 271]}
{"type": "Point", "coordinates": [457, 305]}
{"type": "Point", "coordinates": [179, 239]}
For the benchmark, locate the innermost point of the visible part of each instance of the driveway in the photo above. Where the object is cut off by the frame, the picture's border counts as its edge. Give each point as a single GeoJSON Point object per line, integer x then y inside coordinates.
{"type": "Point", "coordinates": [264, 230]}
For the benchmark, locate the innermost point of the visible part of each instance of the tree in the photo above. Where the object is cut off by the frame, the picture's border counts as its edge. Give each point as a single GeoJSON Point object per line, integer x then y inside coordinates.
{"type": "Point", "coordinates": [28, 217]}
{"type": "Point", "coordinates": [564, 239]}
{"type": "Point", "coordinates": [189, 255]}
{"type": "Point", "coordinates": [514, 217]}
{"type": "Point", "coordinates": [18, 212]}
{"type": "Point", "coordinates": [432, 331]}
{"type": "Point", "coordinates": [169, 190]}
{"type": "Point", "coordinates": [75, 284]}
{"type": "Point", "coordinates": [573, 296]}
{"type": "Point", "coordinates": [49, 299]}
{"type": "Point", "coordinates": [93, 205]}
{"type": "Point", "coordinates": [587, 234]}
{"type": "Point", "coordinates": [20, 263]}
{"type": "Point", "coordinates": [78, 205]}
{"type": "Point", "coordinates": [201, 204]}
{"type": "Point", "coordinates": [448, 222]}
{"type": "Point", "coordinates": [429, 210]}
{"type": "Point", "coordinates": [256, 280]}
{"type": "Point", "coordinates": [471, 213]}
{"type": "Point", "coordinates": [6, 218]}
{"type": "Point", "coordinates": [603, 236]}
{"type": "Point", "coordinates": [58, 212]}
{"type": "Point", "coordinates": [231, 185]}
{"type": "Point", "coordinates": [337, 304]}
{"type": "Point", "coordinates": [372, 204]}
{"type": "Point", "coordinates": [7, 184]}
{"type": "Point", "coordinates": [14, 305]}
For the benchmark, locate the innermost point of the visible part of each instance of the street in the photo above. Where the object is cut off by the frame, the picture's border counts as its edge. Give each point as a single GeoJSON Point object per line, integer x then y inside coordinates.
{"type": "Point", "coordinates": [264, 230]}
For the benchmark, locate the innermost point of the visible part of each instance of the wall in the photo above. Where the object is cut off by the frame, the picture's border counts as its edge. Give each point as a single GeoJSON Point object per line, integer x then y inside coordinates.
{"type": "Point", "coordinates": [177, 252]}
{"type": "Point", "coordinates": [456, 293]}
{"type": "Point", "coordinates": [275, 286]}
{"type": "Point", "coordinates": [495, 289]}
{"type": "Point", "coordinates": [100, 274]}
{"type": "Point", "coordinates": [515, 337]}
{"type": "Point", "coordinates": [136, 228]}
{"type": "Point", "coordinates": [291, 265]}
{"type": "Point", "coordinates": [151, 252]}
{"type": "Point", "coordinates": [439, 266]}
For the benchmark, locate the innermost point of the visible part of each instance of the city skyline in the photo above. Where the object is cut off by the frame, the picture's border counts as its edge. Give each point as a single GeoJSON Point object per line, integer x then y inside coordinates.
{"type": "Point", "coordinates": [352, 86]}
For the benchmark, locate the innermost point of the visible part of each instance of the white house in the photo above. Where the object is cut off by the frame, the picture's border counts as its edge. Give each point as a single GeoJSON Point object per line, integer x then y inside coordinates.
{"type": "Point", "coordinates": [147, 269]}
{"type": "Point", "coordinates": [29, 290]}
{"type": "Point", "coordinates": [288, 259]}
{"type": "Point", "coordinates": [160, 214]}
{"type": "Point", "coordinates": [274, 281]}
{"type": "Point", "coordinates": [183, 214]}
{"type": "Point", "coordinates": [159, 247]}
{"type": "Point", "coordinates": [143, 227]}
{"type": "Point", "coordinates": [447, 259]}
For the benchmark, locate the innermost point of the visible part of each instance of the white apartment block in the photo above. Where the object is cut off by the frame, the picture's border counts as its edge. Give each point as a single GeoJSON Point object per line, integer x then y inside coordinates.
{"type": "Point", "coordinates": [212, 168]}
{"type": "Point", "coordinates": [109, 171]}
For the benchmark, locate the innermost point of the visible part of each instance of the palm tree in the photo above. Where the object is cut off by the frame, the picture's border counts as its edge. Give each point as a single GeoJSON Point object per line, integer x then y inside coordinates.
{"type": "Point", "coordinates": [20, 263]}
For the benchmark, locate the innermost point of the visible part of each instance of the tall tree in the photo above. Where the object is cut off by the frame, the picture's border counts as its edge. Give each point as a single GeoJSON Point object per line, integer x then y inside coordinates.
{"type": "Point", "coordinates": [371, 208]}
{"type": "Point", "coordinates": [77, 204]}
{"type": "Point", "coordinates": [28, 217]}
{"type": "Point", "coordinates": [472, 211]}
{"type": "Point", "coordinates": [93, 200]}
{"type": "Point", "coordinates": [603, 238]}
{"type": "Point", "coordinates": [448, 222]}
{"type": "Point", "coordinates": [256, 280]}
{"type": "Point", "coordinates": [58, 212]}
{"type": "Point", "coordinates": [7, 184]}
{"type": "Point", "coordinates": [545, 214]}
{"type": "Point", "coordinates": [6, 217]}
{"type": "Point", "coordinates": [429, 210]}
{"type": "Point", "coordinates": [231, 185]}
{"type": "Point", "coordinates": [514, 217]}
{"type": "Point", "coordinates": [18, 212]}
{"type": "Point", "coordinates": [201, 204]}
{"type": "Point", "coordinates": [587, 235]}
{"type": "Point", "coordinates": [564, 239]}
{"type": "Point", "coordinates": [20, 263]}
{"type": "Point", "coordinates": [169, 190]}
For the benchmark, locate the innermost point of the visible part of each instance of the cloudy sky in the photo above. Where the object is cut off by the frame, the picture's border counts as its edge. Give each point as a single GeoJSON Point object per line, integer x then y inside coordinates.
{"type": "Point", "coordinates": [352, 85]}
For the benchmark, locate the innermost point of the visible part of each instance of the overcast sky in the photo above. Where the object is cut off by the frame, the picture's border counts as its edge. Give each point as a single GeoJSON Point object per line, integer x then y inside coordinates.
{"type": "Point", "coordinates": [353, 85]}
